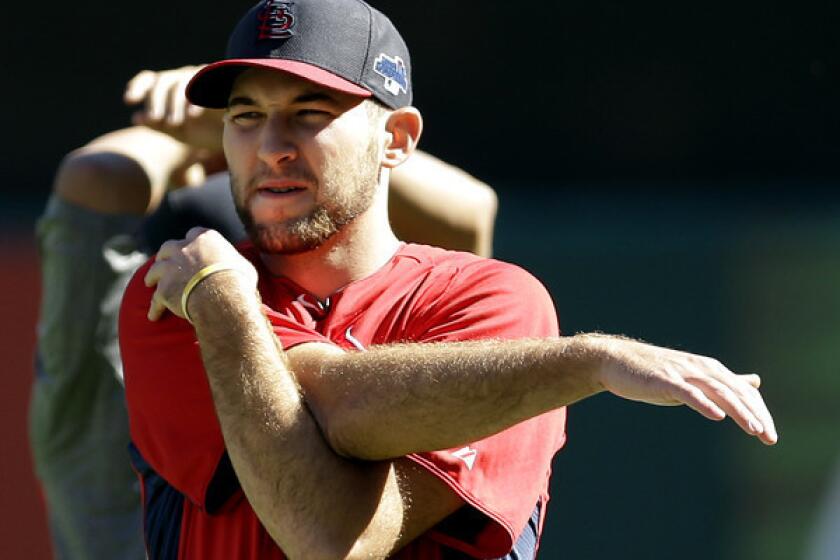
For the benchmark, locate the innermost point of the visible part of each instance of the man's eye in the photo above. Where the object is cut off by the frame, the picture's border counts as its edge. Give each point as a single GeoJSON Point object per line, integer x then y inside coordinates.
{"type": "Point", "coordinates": [313, 114]}
{"type": "Point", "coordinates": [245, 117]}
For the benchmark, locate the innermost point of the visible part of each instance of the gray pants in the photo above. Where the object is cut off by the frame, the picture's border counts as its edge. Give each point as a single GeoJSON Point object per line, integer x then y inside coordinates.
{"type": "Point", "coordinates": [78, 421]}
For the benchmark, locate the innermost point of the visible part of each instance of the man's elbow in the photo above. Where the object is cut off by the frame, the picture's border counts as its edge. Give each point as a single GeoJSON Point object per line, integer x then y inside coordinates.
{"type": "Point", "coordinates": [103, 181]}
{"type": "Point", "coordinates": [356, 430]}
{"type": "Point", "coordinates": [485, 221]}
{"type": "Point", "coordinates": [487, 203]}
{"type": "Point", "coordinates": [471, 225]}
{"type": "Point", "coordinates": [348, 433]}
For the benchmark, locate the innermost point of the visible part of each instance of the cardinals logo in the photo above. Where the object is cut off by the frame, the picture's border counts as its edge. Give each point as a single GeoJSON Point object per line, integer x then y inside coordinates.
{"type": "Point", "coordinates": [275, 20]}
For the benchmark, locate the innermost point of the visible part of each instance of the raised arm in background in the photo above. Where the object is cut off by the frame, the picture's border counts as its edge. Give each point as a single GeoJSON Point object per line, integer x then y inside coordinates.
{"type": "Point", "coordinates": [175, 144]}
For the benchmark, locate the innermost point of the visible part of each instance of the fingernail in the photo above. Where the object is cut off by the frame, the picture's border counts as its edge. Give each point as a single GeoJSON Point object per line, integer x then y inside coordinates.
{"type": "Point", "coordinates": [755, 427]}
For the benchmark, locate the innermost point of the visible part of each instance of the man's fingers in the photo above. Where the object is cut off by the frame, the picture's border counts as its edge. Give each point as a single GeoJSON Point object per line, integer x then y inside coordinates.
{"type": "Point", "coordinates": [745, 387]}
{"type": "Point", "coordinates": [731, 403]}
{"type": "Point", "coordinates": [164, 94]}
{"type": "Point", "coordinates": [769, 436]}
{"type": "Point", "coordinates": [178, 261]}
{"type": "Point", "coordinates": [752, 379]}
{"type": "Point", "coordinates": [194, 232]}
{"type": "Point", "coordinates": [177, 103]}
{"type": "Point", "coordinates": [157, 102]}
{"type": "Point", "coordinates": [154, 274]}
{"type": "Point", "coordinates": [695, 399]}
{"type": "Point", "coordinates": [744, 390]}
{"type": "Point", "coordinates": [168, 249]}
{"type": "Point", "coordinates": [759, 408]}
{"type": "Point", "coordinates": [138, 87]}
{"type": "Point", "coordinates": [156, 307]}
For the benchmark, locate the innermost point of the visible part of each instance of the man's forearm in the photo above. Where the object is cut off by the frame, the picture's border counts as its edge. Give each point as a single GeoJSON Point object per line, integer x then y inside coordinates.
{"type": "Point", "coordinates": [278, 452]}
{"type": "Point", "coordinates": [394, 400]}
{"type": "Point", "coordinates": [391, 401]}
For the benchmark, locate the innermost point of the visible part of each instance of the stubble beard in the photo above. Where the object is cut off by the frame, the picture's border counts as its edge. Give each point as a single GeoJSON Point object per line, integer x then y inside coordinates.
{"type": "Point", "coordinates": [346, 191]}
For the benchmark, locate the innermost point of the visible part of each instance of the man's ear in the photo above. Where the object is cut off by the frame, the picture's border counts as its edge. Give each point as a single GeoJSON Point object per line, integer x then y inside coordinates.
{"type": "Point", "coordinates": [404, 127]}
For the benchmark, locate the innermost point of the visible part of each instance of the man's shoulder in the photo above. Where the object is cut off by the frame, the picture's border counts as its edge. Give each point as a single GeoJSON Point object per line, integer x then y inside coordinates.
{"type": "Point", "coordinates": [462, 296]}
{"type": "Point", "coordinates": [454, 275]}
{"type": "Point", "coordinates": [444, 259]}
{"type": "Point", "coordinates": [461, 268]}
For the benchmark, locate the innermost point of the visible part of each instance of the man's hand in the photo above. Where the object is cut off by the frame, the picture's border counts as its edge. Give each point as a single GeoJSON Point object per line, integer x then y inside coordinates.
{"type": "Point", "coordinates": [179, 261]}
{"type": "Point", "coordinates": [167, 110]}
{"type": "Point", "coordinates": [642, 372]}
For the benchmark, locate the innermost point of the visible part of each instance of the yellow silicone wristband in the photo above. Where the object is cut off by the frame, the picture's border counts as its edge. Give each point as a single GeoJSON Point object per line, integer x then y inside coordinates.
{"type": "Point", "coordinates": [195, 280]}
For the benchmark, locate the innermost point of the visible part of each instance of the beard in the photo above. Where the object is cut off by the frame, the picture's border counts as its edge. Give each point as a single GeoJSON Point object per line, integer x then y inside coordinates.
{"type": "Point", "coordinates": [346, 191]}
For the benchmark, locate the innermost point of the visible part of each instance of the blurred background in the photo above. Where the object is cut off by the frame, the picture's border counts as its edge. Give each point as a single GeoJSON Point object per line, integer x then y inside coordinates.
{"type": "Point", "coordinates": [669, 170]}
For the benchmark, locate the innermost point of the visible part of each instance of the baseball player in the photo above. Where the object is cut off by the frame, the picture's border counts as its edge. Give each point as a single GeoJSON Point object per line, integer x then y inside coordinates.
{"type": "Point", "coordinates": [326, 391]}
{"type": "Point", "coordinates": [109, 211]}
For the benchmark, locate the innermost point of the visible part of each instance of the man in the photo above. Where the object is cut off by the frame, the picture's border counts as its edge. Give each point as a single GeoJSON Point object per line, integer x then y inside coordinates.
{"type": "Point", "coordinates": [327, 341]}
{"type": "Point", "coordinates": [109, 210]}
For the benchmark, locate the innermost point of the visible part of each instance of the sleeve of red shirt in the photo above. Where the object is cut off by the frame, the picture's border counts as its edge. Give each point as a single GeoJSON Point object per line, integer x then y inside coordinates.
{"type": "Point", "coordinates": [504, 476]}
{"type": "Point", "coordinates": [172, 419]}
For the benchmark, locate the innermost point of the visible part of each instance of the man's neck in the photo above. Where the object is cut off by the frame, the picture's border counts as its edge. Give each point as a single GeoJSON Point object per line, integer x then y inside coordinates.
{"type": "Point", "coordinates": [357, 251]}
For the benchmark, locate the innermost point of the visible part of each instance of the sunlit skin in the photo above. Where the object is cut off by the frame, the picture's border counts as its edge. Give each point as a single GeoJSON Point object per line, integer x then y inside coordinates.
{"type": "Point", "coordinates": [303, 160]}
{"type": "Point", "coordinates": [281, 412]}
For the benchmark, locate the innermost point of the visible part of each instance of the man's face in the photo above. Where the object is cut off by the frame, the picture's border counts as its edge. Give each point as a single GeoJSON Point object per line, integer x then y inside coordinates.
{"type": "Point", "coordinates": [303, 159]}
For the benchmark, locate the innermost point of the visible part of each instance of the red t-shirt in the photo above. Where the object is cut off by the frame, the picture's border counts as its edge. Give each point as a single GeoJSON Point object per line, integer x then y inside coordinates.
{"type": "Point", "coordinates": [423, 294]}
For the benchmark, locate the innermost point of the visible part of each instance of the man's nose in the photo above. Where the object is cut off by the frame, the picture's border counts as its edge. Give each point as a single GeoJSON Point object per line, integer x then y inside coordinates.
{"type": "Point", "coordinates": [277, 146]}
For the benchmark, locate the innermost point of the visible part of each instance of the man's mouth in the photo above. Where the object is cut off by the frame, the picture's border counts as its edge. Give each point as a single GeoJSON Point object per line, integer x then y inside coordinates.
{"type": "Point", "coordinates": [282, 190]}
{"type": "Point", "coordinates": [280, 187]}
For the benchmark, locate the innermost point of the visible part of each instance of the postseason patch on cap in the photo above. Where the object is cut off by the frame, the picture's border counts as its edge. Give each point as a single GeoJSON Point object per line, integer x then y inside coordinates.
{"type": "Point", "coordinates": [394, 72]}
{"type": "Point", "coordinates": [275, 20]}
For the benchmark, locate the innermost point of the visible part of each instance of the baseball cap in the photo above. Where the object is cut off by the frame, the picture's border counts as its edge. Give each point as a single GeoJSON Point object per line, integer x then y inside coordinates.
{"type": "Point", "coordinates": [345, 45]}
